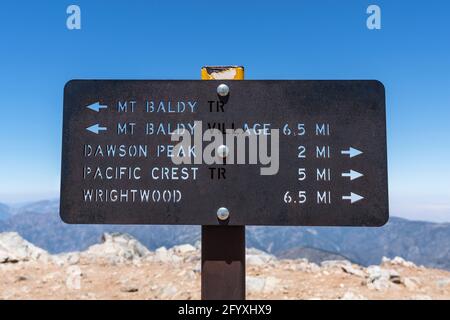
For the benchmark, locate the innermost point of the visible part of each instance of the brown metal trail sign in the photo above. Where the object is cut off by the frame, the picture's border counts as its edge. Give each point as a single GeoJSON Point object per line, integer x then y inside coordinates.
{"type": "Point", "coordinates": [328, 168]}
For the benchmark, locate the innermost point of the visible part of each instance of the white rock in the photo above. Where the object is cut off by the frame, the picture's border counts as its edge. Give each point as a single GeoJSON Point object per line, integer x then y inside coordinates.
{"type": "Point", "coordinates": [381, 278]}
{"type": "Point", "coordinates": [385, 260]}
{"type": "Point", "coordinates": [184, 248]}
{"type": "Point", "coordinates": [255, 284]}
{"type": "Point", "coordinates": [193, 257]}
{"type": "Point", "coordinates": [271, 284]}
{"type": "Point", "coordinates": [191, 275]}
{"type": "Point", "coordinates": [354, 270]}
{"type": "Point", "coordinates": [410, 283]}
{"type": "Point", "coordinates": [330, 264]}
{"type": "Point", "coordinates": [376, 273]}
{"type": "Point", "coordinates": [197, 267]}
{"type": "Point", "coordinates": [258, 258]}
{"type": "Point", "coordinates": [399, 261]}
{"type": "Point", "coordinates": [168, 292]}
{"type": "Point", "coordinates": [13, 248]}
{"type": "Point", "coordinates": [349, 295]}
{"type": "Point", "coordinates": [166, 256]}
{"type": "Point", "coordinates": [305, 266]}
{"type": "Point", "coordinates": [254, 260]}
{"type": "Point", "coordinates": [302, 260]}
{"type": "Point", "coordinates": [258, 284]}
{"type": "Point", "coordinates": [70, 258]}
{"type": "Point", "coordinates": [443, 282]}
{"type": "Point", "coordinates": [4, 256]}
{"type": "Point", "coordinates": [161, 255]}
{"type": "Point", "coordinates": [58, 261]}
{"type": "Point", "coordinates": [117, 248]}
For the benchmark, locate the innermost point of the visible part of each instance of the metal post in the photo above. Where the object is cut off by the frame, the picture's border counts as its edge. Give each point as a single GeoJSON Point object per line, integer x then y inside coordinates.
{"type": "Point", "coordinates": [223, 247]}
{"type": "Point", "coordinates": [223, 262]}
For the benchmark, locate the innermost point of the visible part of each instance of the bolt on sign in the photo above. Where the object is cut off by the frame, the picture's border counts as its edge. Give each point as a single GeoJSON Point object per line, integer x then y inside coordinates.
{"type": "Point", "coordinates": [224, 152]}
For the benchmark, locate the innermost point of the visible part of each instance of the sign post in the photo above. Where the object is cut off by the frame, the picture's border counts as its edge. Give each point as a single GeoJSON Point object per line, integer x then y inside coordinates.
{"type": "Point", "coordinates": [224, 154]}
{"type": "Point", "coordinates": [223, 247]}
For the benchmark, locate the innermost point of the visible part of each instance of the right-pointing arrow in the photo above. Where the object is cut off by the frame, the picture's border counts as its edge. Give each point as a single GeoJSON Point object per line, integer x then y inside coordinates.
{"type": "Point", "coordinates": [352, 152]}
{"type": "Point", "coordinates": [353, 197]}
{"type": "Point", "coordinates": [96, 128]}
{"type": "Point", "coordinates": [352, 174]}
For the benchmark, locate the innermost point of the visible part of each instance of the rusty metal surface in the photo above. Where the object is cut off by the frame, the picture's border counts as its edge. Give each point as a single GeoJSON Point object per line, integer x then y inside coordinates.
{"type": "Point", "coordinates": [223, 263]}
{"type": "Point", "coordinates": [355, 111]}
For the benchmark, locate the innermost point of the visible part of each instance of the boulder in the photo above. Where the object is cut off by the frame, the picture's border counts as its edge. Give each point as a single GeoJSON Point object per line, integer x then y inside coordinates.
{"type": "Point", "coordinates": [331, 264]}
{"type": "Point", "coordinates": [254, 260]}
{"type": "Point", "coordinates": [4, 256]}
{"type": "Point", "coordinates": [353, 270]}
{"type": "Point", "coordinates": [398, 261]}
{"type": "Point", "coordinates": [168, 292]}
{"type": "Point", "coordinates": [184, 249]}
{"type": "Point", "coordinates": [117, 248]}
{"type": "Point", "coordinates": [264, 285]}
{"type": "Point", "coordinates": [304, 266]}
{"type": "Point", "coordinates": [197, 267]}
{"type": "Point", "coordinates": [165, 256]}
{"type": "Point", "coordinates": [70, 258]}
{"type": "Point", "coordinates": [411, 283]}
{"type": "Point", "coordinates": [271, 284]}
{"type": "Point", "coordinates": [13, 248]}
{"type": "Point", "coordinates": [380, 278]}
{"type": "Point", "coordinates": [254, 284]}
{"type": "Point", "coordinates": [258, 258]}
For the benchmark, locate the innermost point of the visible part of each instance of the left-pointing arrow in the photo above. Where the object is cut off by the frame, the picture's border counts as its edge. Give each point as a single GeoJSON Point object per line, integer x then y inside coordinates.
{"type": "Point", "coordinates": [96, 106]}
{"type": "Point", "coordinates": [353, 197]}
{"type": "Point", "coordinates": [96, 128]}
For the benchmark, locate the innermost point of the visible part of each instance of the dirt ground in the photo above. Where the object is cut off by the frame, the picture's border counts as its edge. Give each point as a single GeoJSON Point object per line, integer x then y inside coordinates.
{"type": "Point", "coordinates": [280, 279]}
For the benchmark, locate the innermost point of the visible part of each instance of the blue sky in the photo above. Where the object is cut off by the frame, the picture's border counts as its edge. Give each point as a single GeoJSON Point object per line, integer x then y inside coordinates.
{"type": "Point", "coordinates": [273, 40]}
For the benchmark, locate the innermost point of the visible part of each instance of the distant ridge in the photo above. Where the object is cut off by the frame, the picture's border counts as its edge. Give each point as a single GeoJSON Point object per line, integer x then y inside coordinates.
{"type": "Point", "coordinates": [311, 254]}
{"type": "Point", "coordinates": [4, 211]}
{"type": "Point", "coordinates": [424, 243]}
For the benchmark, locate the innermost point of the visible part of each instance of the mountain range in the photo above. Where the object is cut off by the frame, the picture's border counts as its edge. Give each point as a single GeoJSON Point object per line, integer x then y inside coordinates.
{"type": "Point", "coordinates": [4, 211]}
{"type": "Point", "coordinates": [424, 243]}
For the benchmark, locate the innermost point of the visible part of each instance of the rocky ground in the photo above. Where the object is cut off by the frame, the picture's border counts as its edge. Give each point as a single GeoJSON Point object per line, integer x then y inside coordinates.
{"type": "Point", "coordinates": [121, 268]}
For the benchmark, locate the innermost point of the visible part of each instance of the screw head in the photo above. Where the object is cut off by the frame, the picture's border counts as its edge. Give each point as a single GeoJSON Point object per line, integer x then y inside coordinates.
{"type": "Point", "coordinates": [223, 151]}
{"type": "Point", "coordinates": [223, 90]}
{"type": "Point", "coordinates": [223, 214]}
